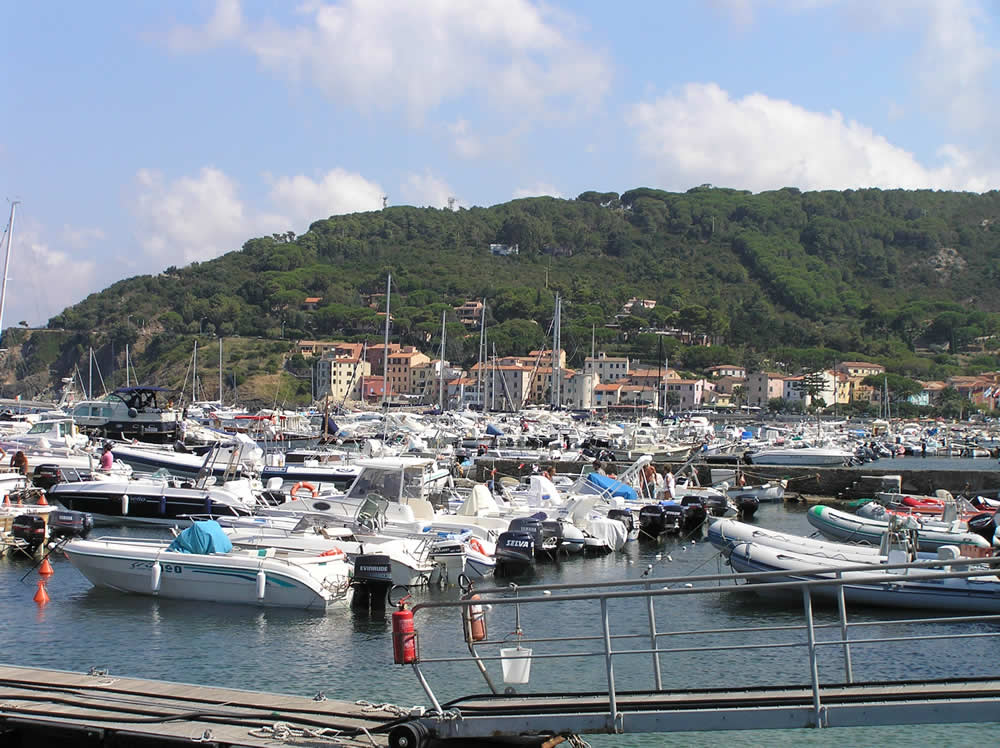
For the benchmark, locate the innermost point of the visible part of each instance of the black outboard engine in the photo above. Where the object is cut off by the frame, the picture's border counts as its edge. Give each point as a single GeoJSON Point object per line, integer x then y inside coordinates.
{"type": "Point", "coordinates": [533, 527]}
{"type": "Point", "coordinates": [626, 517]}
{"type": "Point", "coordinates": [47, 475]}
{"type": "Point", "coordinates": [552, 538]}
{"type": "Point", "coordinates": [694, 513]}
{"type": "Point", "coordinates": [717, 504]}
{"type": "Point", "coordinates": [372, 581]}
{"type": "Point", "coordinates": [746, 505]}
{"type": "Point", "coordinates": [67, 524]}
{"type": "Point", "coordinates": [983, 524]}
{"type": "Point", "coordinates": [29, 529]}
{"type": "Point", "coordinates": [657, 519]}
{"type": "Point", "coordinates": [515, 554]}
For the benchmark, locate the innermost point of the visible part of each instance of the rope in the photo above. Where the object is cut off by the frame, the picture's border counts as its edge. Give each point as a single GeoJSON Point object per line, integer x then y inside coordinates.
{"type": "Point", "coordinates": [284, 732]}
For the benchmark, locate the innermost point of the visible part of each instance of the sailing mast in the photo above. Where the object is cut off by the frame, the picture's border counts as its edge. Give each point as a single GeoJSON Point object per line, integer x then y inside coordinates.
{"type": "Point", "coordinates": [385, 351]}
{"type": "Point", "coordinates": [220, 372]}
{"type": "Point", "coordinates": [482, 357]}
{"type": "Point", "coordinates": [6, 263]}
{"type": "Point", "coordinates": [441, 378]}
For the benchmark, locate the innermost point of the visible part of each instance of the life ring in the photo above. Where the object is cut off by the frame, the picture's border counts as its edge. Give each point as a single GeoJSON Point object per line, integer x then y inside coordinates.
{"type": "Point", "coordinates": [332, 552]}
{"type": "Point", "coordinates": [302, 484]}
{"type": "Point", "coordinates": [475, 545]}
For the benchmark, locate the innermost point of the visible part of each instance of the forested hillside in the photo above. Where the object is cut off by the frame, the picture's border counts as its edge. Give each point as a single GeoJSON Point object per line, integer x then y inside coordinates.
{"type": "Point", "coordinates": [785, 278]}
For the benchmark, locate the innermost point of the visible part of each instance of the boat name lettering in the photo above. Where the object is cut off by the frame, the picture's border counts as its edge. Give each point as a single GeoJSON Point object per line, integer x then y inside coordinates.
{"type": "Point", "coordinates": [518, 543]}
{"type": "Point", "coordinates": [168, 568]}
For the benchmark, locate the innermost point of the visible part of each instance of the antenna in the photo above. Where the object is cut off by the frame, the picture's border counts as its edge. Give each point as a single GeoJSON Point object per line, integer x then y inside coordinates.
{"type": "Point", "coordinates": [451, 203]}
{"type": "Point", "coordinates": [385, 201]}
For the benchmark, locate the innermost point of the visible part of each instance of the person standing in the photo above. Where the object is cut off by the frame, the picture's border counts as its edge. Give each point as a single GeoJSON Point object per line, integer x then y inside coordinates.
{"type": "Point", "coordinates": [19, 462]}
{"type": "Point", "coordinates": [107, 458]}
{"type": "Point", "coordinates": [671, 484]}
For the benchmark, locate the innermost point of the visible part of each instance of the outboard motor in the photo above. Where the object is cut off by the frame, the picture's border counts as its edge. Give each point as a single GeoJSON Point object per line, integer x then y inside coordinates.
{"type": "Point", "coordinates": [29, 529]}
{"type": "Point", "coordinates": [552, 538]}
{"type": "Point", "coordinates": [626, 517]}
{"type": "Point", "coordinates": [694, 513]}
{"type": "Point", "coordinates": [372, 580]}
{"type": "Point", "coordinates": [533, 527]}
{"type": "Point", "coordinates": [717, 505]}
{"type": "Point", "coordinates": [68, 524]}
{"type": "Point", "coordinates": [515, 554]}
{"type": "Point", "coordinates": [47, 475]}
{"type": "Point", "coordinates": [983, 524]}
{"type": "Point", "coordinates": [655, 519]}
{"type": "Point", "coordinates": [746, 505]}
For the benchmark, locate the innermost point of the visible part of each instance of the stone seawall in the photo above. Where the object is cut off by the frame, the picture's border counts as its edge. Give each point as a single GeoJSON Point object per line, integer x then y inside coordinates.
{"type": "Point", "coordinates": [823, 481]}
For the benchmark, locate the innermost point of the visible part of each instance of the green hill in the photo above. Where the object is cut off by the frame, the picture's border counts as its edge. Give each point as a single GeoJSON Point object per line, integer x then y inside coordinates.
{"type": "Point", "coordinates": [793, 279]}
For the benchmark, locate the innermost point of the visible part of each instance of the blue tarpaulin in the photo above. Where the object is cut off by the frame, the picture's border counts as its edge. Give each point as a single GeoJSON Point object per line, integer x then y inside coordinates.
{"type": "Point", "coordinates": [202, 537]}
{"type": "Point", "coordinates": [612, 486]}
{"type": "Point", "coordinates": [493, 430]}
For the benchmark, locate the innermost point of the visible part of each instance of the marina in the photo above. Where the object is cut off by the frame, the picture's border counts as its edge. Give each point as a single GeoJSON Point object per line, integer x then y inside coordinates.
{"type": "Point", "coordinates": [347, 653]}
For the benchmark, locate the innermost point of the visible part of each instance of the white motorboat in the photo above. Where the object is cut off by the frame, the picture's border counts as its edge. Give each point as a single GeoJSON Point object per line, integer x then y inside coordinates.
{"type": "Point", "coordinates": [213, 571]}
{"type": "Point", "coordinates": [818, 456]}
{"type": "Point", "coordinates": [154, 501]}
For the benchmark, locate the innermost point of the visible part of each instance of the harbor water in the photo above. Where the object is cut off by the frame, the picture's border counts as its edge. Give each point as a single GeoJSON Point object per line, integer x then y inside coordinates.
{"type": "Point", "coordinates": [347, 654]}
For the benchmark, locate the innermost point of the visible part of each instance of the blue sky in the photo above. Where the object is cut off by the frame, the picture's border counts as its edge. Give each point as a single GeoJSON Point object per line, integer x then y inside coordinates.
{"type": "Point", "coordinates": [141, 134]}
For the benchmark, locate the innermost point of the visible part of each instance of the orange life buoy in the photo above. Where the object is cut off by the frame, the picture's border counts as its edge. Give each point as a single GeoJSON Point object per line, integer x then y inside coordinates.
{"type": "Point", "coordinates": [302, 484]}
{"type": "Point", "coordinates": [332, 552]}
{"type": "Point", "coordinates": [477, 546]}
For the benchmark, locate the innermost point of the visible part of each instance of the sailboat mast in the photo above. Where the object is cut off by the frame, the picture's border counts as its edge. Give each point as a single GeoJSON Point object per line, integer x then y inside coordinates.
{"type": "Point", "coordinates": [6, 264]}
{"type": "Point", "coordinates": [220, 370]}
{"type": "Point", "coordinates": [194, 375]}
{"type": "Point", "coordinates": [482, 353]}
{"type": "Point", "coordinates": [441, 378]}
{"type": "Point", "coordinates": [385, 350]}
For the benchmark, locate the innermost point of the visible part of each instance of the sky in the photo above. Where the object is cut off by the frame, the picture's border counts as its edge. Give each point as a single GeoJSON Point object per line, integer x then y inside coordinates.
{"type": "Point", "coordinates": [138, 135]}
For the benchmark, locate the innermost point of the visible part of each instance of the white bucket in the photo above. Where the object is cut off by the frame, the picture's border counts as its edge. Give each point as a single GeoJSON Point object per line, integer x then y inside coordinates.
{"type": "Point", "coordinates": [516, 664]}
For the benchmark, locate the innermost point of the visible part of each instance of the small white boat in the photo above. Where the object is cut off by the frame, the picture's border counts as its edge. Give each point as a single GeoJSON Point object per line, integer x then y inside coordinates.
{"type": "Point", "coordinates": [216, 573]}
{"type": "Point", "coordinates": [817, 456]}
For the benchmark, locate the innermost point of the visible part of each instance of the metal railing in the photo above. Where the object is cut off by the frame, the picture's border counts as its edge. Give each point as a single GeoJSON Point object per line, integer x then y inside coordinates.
{"type": "Point", "coordinates": [653, 644]}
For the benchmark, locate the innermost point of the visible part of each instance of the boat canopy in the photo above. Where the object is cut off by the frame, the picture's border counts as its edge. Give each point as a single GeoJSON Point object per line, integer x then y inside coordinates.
{"type": "Point", "coordinates": [612, 486]}
{"type": "Point", "coordinates": [202, 537]}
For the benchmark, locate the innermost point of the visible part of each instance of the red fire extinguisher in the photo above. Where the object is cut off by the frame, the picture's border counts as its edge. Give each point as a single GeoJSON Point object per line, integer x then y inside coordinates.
{"type": "Point", "coordinates": [404, 636]}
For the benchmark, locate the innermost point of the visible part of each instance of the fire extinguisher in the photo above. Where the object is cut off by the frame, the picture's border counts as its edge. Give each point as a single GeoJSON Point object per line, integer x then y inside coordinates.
{"type": "Point", "coordinates": [404, 635]}
{"type": "Point", "coordinates": [474, 618]}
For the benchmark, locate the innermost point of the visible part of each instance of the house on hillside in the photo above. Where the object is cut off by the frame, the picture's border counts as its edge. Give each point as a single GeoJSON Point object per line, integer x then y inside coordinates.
{"type": "Point", "coordinates": [504, 250]}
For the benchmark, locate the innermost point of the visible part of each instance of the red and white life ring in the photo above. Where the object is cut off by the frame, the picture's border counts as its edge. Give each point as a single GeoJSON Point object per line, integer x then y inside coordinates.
{"type": "Point", "coordinates": [300, 485]}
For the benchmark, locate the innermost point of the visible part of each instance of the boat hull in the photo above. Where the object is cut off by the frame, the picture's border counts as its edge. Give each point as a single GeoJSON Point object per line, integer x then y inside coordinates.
{"type": "Point", "coordinates": [229, 578]}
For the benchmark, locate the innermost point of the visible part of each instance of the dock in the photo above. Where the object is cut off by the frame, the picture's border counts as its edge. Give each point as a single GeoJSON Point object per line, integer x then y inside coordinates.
{"type": "Point", "coordinates": [57, 708]}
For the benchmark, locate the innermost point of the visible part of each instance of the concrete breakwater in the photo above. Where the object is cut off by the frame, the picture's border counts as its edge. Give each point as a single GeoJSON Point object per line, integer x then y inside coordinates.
{"type": "Point", "coordinates": [823, 481]}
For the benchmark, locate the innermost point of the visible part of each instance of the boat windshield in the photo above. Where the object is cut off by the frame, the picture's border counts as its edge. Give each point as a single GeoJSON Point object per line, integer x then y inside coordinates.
{"type": "Point", "coordinates": [383, 482]}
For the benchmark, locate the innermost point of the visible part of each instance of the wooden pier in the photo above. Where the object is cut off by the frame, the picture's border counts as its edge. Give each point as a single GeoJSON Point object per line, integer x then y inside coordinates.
{"type": "Point", "coordinates": [57, 708]}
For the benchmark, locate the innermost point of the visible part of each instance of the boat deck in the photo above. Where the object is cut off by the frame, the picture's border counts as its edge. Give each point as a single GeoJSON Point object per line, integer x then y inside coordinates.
{"type": "Point", "coordinates": [97, 709]}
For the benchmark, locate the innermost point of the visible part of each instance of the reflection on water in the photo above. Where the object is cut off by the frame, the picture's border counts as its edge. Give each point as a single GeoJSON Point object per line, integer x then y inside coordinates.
{"type": "Point", "coordinates": [347, 654]}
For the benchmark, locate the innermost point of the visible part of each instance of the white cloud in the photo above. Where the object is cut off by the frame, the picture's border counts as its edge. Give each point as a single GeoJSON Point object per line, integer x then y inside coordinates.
{"type": "Point", "coordinates": [42, 281]}
{"type": "Point", "coordinates": [466, 144]}
{"type": "Point", "coordinates": [224, 25]}
{"type": "Point", "coordinates": [956, 64]}
{"type": "Point", "coordinates": [538, 189]}
{"type": "Point", "coordinates": [198, 218]}
{"type": "Point", "coordinates": [304, 200]}
{"type": "Point", "coordinates": [80, 237]}
{"type": "Point", "coordinates": [403, 54]}
{"type": "Point", "coordinates": [700, 134]}
{"type": "Point", "coordinates": [190, 218]}
{"type": "Point", "coordinates": [426, 189]}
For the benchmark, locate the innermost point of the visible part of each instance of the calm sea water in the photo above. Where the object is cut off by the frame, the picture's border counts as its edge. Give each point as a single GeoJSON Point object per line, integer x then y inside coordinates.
{"type": "Point", "coordinates": [347, 654]}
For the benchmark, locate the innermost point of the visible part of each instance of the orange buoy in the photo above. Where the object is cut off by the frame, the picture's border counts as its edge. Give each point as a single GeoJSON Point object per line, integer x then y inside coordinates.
{"type": "Point", "coordinates": [41, 596]}
{"type": "Point", "coordinates": [46, 569]}
{"type": "Point", "coordinates": [42, 501]}
{"type": "Point", "coordinates": [6, 499]}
